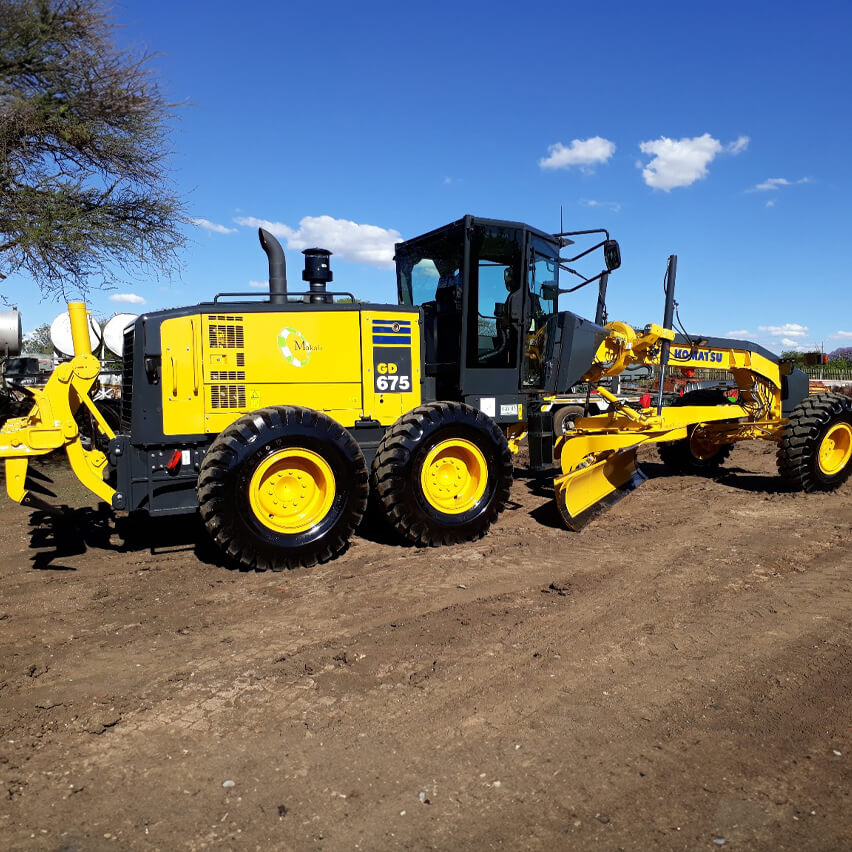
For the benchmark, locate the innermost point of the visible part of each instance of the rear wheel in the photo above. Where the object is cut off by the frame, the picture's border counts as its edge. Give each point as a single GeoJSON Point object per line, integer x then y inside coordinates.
{"type": "Point", "coordinates": [815, 453]}
{"type": "Point", "coordinates": [282, 487]}
{"type": "Point", "coordinates": [442, 474]}
{"type": "Point", "coordinates": [565, 417]}
{"type": "Point", "coordinates": [694, 454]}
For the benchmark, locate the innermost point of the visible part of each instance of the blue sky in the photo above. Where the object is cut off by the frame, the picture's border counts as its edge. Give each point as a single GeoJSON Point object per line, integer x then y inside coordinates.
{"type": "Point", "coordinates": [719, 132]}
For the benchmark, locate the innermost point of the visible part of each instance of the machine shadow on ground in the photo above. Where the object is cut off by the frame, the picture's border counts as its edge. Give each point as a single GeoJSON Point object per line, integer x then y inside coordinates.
{"type": "Point", "coordinates": [72, 532]}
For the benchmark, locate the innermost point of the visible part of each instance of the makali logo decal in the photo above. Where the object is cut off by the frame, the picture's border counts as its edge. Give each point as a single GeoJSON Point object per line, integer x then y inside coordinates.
{"type": "Point", "coordinates": [295, 349]}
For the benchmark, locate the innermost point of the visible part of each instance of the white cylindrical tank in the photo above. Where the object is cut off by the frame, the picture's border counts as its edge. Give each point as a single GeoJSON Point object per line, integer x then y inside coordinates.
{"type": "Point", "coordinates": [11, 332]}
{"type": "Point", "coordinates": [60, 334]}
{"type": "Point", "coordinates": [114, 332]}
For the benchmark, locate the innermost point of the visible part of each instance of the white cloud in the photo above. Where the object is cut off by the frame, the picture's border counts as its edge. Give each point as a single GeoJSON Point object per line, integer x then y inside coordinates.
{"type": "Point", "coordinates": [770, 203]}
{"type": "Point", "coordinates": [681, 162]}
{"type": "Point", "coordinates": [614, 206]}
{"type": "Point", "coordinates": [127, 298]}
{"type": "Point", "coordinates": [738, 145]}
{"type": "Point", "coordinates": [789, 329]}
{"type": "Point", "coordinates": [277, 229]}
{"type": "Point", "coordinates": [842, 335]}
{"type": "Point", "coordinates": [212, 226]}
{"type": "Point", "coordinates": [259, 285]}
{"type": "Point", "coordinates": [584, 153]}
{"type": "Point", "coordinates": [351, 241]}
{"type": "Point", "coordinates": [771, 184]}
{"type": "Point", "coordinates": [738, 332]}
{"type": "Point", "coordinates": [798, 346]}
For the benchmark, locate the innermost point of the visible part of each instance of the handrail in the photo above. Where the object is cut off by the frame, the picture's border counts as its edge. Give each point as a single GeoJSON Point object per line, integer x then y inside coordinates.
{"type": "Point", "coordinates": [289, 294]}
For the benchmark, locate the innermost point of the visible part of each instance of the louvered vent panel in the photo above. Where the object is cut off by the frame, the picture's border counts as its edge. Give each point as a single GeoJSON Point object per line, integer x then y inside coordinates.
{"type": "Point", "coordinates": [127, 379]}
{"type": "Point", "coordinates": [227, 396]}
{"type": "Point", "coordinates": [222, 336]}
{"type": "Point", "coordinates": [227, 375]}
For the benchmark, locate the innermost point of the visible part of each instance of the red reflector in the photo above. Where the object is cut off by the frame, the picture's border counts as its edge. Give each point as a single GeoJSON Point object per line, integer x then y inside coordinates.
{"type": "Point", "coordinates": [645, 400]}
{"type": "Point", "coordinates": [174, 461]}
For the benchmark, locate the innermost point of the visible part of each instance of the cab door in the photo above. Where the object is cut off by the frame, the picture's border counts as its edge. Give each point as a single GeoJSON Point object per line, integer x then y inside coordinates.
{"type": "Point", "coordinates": [497, 308]}
{"type": "Point", "coordinates": [540, 316]}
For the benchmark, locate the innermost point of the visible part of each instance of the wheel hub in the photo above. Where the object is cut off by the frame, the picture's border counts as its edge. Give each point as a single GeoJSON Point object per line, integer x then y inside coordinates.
{"type": "Point", "coordinates": [454, 476]}
{"type": "Point", "coordinates": [701, 445]}
{"type": "Point", "coordinates": [835, 450]}
{"type": "Point", "coordinates": [292, 490]}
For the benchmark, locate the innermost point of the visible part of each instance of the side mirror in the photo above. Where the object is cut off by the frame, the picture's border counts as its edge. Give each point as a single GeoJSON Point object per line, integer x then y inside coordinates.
{"type": "Point", "coordinates": [549, 291]}
{"type": "Point", "coordinates": [612, 254]}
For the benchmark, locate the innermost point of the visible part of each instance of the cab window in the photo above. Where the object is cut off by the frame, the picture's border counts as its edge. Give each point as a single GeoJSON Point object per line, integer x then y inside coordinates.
{"type": "Point", "coordinates": [497, 294]}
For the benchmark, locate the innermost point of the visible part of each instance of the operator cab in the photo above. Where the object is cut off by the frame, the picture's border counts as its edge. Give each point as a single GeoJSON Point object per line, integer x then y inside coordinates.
{"type": "Point", "coordinates": [488, 291]}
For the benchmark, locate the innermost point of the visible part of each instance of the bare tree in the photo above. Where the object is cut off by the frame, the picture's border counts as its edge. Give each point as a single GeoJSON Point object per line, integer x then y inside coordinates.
{"type": "Point", "coordinates": [83, 147]}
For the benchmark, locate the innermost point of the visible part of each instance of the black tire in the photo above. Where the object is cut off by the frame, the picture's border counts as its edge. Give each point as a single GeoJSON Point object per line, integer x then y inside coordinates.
{"type": "Point", "coordinates": [225, 486]}
{"type": "Point", "coordinates": [90, 434]}
{"type": "Point", "coordinates": [678, 455]}
{"type": "Point", "coordinates": [803, 437]}
{"type": "Point", "coordinates": [564, 417]}
{"type": "Point", "coordinates": [400, 460]}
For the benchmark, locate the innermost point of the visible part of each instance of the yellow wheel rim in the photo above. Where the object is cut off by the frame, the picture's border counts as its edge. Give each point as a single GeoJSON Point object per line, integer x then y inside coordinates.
{"type": "Point", "coordinates": [454, 476]}
{"type": "Point", "coordinates": [835, 449]}
{"type": "Point", "coordinates": [292, 490]}
{"type": "Point", "coordinates": [701, 445]}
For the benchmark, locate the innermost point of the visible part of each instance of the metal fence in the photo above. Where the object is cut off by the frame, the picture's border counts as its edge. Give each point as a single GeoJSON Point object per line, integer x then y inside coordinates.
{"type": "Point", "coordinates": [829, 373]}
{"type": "Point", "coordinates": [819, 372]}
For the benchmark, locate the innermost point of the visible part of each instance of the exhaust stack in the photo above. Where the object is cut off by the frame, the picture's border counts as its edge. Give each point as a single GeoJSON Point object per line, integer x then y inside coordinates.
{"type": "Point", "coordinates": [317, 273]}
{"type": "Point", "coordinates": [277, 267]}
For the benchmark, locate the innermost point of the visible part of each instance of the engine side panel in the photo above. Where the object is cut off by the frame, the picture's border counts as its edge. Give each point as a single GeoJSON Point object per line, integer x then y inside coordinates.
{"type": "Point", "coordinates": [353, 365]}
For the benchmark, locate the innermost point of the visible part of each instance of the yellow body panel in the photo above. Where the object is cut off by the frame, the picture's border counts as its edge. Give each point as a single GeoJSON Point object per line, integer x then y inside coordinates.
{"type": "Point", "coordinates": [182, 376]}
{"type": "Point", "coordinates": [349, 364]}
{"type": "Point", "coordinates": [387, 406]}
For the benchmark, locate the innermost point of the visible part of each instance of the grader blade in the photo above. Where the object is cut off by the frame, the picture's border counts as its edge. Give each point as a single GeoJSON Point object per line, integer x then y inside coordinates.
{"type": "Point", "coordinates": [583, 494]}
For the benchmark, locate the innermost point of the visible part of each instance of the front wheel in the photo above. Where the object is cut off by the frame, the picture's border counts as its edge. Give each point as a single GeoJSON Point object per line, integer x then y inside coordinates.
{"type": "Point", "coordinates": [282, 487]}
{"type": "Point", "coordinates": [695, 455]}
{"type": "Point", "coordinates": [815, 453]}
{"type": "Point", "coordinates": [442, 474]}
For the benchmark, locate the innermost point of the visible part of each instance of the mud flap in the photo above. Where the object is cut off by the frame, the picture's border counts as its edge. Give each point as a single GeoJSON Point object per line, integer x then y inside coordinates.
{"type": "Point", "coordinates": [583, 494]}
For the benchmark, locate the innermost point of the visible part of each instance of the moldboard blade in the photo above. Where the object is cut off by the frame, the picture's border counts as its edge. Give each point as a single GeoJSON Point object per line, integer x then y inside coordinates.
{"type": "Point", "coordinates": [583, 494]}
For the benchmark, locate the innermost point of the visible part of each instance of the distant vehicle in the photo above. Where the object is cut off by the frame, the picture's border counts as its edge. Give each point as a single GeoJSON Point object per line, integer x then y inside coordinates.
{"type": "Point", "coordinates": [28, 369]}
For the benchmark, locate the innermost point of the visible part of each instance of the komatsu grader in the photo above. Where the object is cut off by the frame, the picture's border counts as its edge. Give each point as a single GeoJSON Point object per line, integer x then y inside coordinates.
{"type": "Point", "coordinates": [278, 419]}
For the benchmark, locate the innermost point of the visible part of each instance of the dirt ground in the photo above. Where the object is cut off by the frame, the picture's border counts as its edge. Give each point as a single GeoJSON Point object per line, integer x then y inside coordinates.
{"type": "Point", "coordinates": [677, 676]}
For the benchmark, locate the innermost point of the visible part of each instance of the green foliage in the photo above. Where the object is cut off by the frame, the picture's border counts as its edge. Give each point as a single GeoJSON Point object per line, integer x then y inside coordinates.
{"type": "Point", "coordinates": [39, 341]}
{"type": "Point", "coordinates": [83, 147]}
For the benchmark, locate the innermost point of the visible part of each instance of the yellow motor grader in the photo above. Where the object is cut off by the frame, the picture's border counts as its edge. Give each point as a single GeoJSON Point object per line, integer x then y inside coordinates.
{"type": "Point", "coordinates": [278, 419]}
